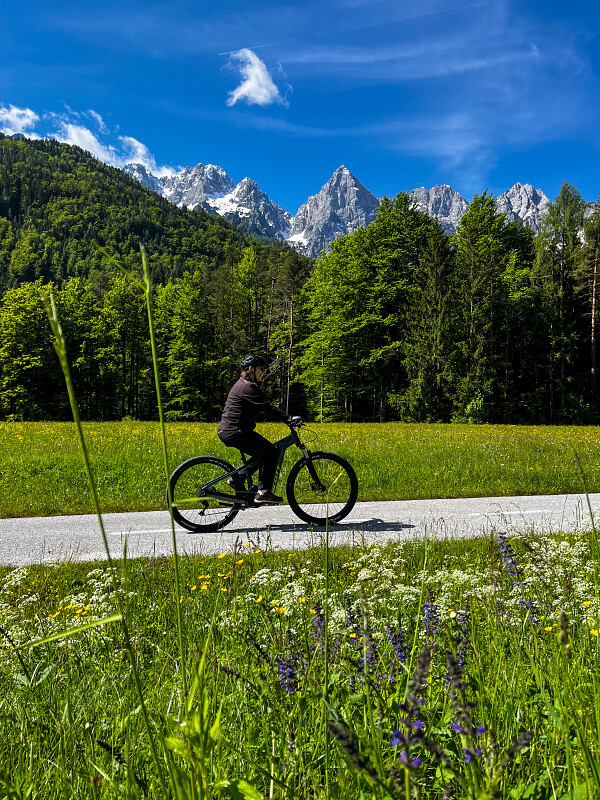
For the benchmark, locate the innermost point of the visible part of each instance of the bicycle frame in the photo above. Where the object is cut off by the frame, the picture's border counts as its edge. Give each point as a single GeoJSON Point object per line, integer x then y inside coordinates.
{"type": "Point", "coordinates": [245, 471]}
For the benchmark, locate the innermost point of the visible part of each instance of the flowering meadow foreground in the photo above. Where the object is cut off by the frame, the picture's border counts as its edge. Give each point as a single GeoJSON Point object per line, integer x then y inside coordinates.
{"type": "Point", "coordinates": [465, 669]}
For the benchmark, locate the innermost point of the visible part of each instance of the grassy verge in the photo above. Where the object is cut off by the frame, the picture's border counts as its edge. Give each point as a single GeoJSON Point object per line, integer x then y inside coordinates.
{"type": "Point", "coordinates": [41, 469]}
{"type": "Point", "coordinates": [466, 669]}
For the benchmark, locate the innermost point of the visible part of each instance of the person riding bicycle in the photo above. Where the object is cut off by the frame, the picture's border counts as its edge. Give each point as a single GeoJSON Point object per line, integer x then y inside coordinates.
{"type": "Point", "coordinates": [238, 421]}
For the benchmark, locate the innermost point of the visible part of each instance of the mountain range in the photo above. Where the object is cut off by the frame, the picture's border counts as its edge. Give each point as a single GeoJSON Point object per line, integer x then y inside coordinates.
{"type": "Point", "coordinates": [341, 206]}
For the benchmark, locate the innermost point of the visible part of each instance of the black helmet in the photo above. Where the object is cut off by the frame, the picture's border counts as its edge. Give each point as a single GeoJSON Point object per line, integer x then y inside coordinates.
{"type": "Point", "coordinates": [253, 361]}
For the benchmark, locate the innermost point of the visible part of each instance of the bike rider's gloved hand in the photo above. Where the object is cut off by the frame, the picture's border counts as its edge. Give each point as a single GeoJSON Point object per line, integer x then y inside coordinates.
{"type": "Point", "coordinates": [295, 422]}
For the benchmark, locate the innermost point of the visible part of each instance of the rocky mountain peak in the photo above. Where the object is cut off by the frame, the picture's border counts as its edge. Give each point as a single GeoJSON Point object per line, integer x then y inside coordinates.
{"type": "Point", "coordinates": [143, 175]}
{"type": "Point", "coordinates": [442, 202]}
{"type": "Point", "coordinates": [195, 186]}
{"type": "Point", "coordinates": [524, 202]}
{"type": "Point", "coordinates": [342, 205]}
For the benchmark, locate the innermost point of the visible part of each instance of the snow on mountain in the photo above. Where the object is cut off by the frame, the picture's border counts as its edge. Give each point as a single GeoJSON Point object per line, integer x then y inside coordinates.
{"type": "Point", "coordinates": [252, 212]}
{"type": "Point", "coordinates": [196, 187]}
{"type": "Point", "coordinates": [139, 173]}
{"type": "Point", "coordinates": [342, 206]}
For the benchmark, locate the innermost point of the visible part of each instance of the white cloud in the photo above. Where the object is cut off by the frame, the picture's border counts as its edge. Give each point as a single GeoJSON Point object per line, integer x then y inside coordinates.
{"type": "Point", "coordinates": [129, 150]}
{"type": "Point", "coordinates": [98, 119]}
{"type": "Point", "coordinates": [257, 86]}
{"type": "Point", "coordinates": [136, 152]}
{"type": "Point", "coordinates": [17, 120]}
{"type": "Point", "coordinates": [84, 138]}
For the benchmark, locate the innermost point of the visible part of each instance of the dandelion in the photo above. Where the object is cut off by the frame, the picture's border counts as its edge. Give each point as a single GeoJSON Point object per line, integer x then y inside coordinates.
{"type": "Point", "coordinates": [259, 599]}
{"type": "Point", "coordinates": [594, 632]}
{"type": "Point", "coordinates": [222, 555]}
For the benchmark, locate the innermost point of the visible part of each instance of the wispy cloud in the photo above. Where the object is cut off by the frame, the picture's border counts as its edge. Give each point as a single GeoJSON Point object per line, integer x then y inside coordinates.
{"type": "Point", "coordinates": [102, 127]}
{"type": "Point", "coordinates": [257, 86]}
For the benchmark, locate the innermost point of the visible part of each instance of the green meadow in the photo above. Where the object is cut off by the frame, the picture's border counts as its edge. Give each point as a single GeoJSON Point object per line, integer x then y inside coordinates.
{"type": "Point", "coordinates": [42, 475]}
{"type": "Point", "coordinates": [466, 669]}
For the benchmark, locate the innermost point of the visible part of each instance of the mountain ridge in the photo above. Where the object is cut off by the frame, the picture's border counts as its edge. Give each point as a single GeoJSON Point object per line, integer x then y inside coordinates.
{"type": "Point", "coordinates": [341, 206]}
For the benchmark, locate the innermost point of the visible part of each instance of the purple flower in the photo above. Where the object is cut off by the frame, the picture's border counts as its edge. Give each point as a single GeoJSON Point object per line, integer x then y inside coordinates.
{"type": "Point", "coordinates": [289, 669]}
{"type": "Point", "coordinates": [469, 755]}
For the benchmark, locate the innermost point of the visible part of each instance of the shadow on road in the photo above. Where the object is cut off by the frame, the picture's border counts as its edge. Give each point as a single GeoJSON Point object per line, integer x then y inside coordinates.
{"type": "Point", "coordinates": [365, 525]}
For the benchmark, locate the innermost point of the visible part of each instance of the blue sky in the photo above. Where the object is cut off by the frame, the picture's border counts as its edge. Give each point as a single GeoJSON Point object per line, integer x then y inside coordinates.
{"type": "Point", "coordinates": [478, 95]}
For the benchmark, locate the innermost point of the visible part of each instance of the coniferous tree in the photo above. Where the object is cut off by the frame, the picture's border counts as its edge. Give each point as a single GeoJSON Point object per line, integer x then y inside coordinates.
{"type": "Point", "coordinates": [558, 245]}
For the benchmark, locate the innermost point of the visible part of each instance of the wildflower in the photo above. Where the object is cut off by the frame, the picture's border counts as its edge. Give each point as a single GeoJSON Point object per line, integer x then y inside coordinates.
{"type": "Point", "coordinates": [463, 725]}
{"type": "Point", "coordinates": [350, 746]}
{"type": "Point", "coordinates": [509, 556]}
{"type": "Point", "coordinates": [259, 599]}
{"type": "Point", "coordinates": [413, 727]}
{"type": "Point", "coordinates": [594, 632]}
{"type": "Point", "coordinates": [289, 669]}
{"type": "Point", "coordinates": [586, 603]}
{"type": "Point", "coordinates": [222, 555]}
{"type": "Point", "coordinates": [317, 625]}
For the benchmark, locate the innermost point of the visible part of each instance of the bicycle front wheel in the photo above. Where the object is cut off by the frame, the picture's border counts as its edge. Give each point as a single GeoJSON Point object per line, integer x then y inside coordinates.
{"type": "Point", "coordinates": [192, 508]}
{"type": "Point", "coordinates": [322, 487]}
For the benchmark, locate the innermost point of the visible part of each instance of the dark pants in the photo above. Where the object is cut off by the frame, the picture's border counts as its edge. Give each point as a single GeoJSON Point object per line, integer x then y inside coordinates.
{"type": "Point", "coordinates": [253, 444]}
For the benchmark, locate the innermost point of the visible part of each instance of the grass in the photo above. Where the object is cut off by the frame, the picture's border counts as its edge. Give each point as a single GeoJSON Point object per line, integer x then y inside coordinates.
{"type": "Point", "coordinates": [437, 670]}
{"type": "Point", "coordinates": [254, 725]}
{"type": "Point", "coordinates": [41, 468]}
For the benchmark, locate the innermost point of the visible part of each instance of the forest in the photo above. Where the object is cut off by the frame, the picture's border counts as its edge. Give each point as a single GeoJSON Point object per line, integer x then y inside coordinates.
{"type": "Point", "coordinates": [398, 321]}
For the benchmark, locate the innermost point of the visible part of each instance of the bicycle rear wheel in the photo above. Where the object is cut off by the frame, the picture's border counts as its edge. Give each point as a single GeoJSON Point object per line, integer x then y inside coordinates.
{"type": "Point", "coordinates": [192, 510]}
{"type": "Point", "coordinates": [322, 487]}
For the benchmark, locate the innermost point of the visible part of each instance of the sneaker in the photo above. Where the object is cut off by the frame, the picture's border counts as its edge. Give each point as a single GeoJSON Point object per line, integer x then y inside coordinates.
{"type": "Point", "coordinates": [265, 496]}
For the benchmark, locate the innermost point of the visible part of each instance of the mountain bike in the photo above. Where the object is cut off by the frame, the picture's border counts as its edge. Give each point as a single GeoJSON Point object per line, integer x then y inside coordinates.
{"type": "Point", "coordinates": [207, 492]}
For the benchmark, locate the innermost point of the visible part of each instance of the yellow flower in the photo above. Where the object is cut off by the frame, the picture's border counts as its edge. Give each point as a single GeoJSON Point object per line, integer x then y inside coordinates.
{"type": "Point", "coordinates": [193, 589]}
{"type": "Point", "coordinates": [586, 603]}
{"type": "Point", "coordinates": [549, 628]}
{"type": "Point", "coordinates": [223, 590]}
{"type": "Point", "coordinates": [248, 544]}
{"type": "Point", "coordinates": [280, 609]}
{"type": "Point", "coordinates": [204, 587]}
{"type": "Point", "coordinates": [241, 561]}
{"type": "Point", "coordinates": [594, 632]}
{"type": "Point", "coordinates": [258, 599]}
{"type": "Point", "coordinates": [302, 600]}
{"type": "Point", "coordinates": [222, 555]}
{"type": "Point", "coordinates": [203, 577]}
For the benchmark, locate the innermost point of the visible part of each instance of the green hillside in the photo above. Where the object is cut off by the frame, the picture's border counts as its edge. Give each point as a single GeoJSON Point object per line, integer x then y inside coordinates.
{"type": "Point", "coordinates": [58, 204]}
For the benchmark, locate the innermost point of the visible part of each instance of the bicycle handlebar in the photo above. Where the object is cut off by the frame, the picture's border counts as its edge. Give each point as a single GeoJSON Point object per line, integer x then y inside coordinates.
{"type": "Point", "coordinates": [295, 422]}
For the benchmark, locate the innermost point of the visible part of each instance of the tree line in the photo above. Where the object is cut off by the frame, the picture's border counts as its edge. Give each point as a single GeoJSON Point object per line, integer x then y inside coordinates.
{"type": "Point", "coordinates": [398, 321]}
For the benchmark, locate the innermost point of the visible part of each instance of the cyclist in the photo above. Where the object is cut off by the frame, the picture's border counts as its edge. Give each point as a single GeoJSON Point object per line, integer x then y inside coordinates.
{"type": "Point", "coordinates": [238, 421]}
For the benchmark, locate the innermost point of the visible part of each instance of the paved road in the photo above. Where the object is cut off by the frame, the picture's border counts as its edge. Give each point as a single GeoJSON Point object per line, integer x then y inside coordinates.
{"type": "Point", "coordinates": [38, 539]}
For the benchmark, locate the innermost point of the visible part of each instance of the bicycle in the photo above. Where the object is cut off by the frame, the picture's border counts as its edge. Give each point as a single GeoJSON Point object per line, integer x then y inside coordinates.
{"type": "Point", "coordinates": [207, 492]}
